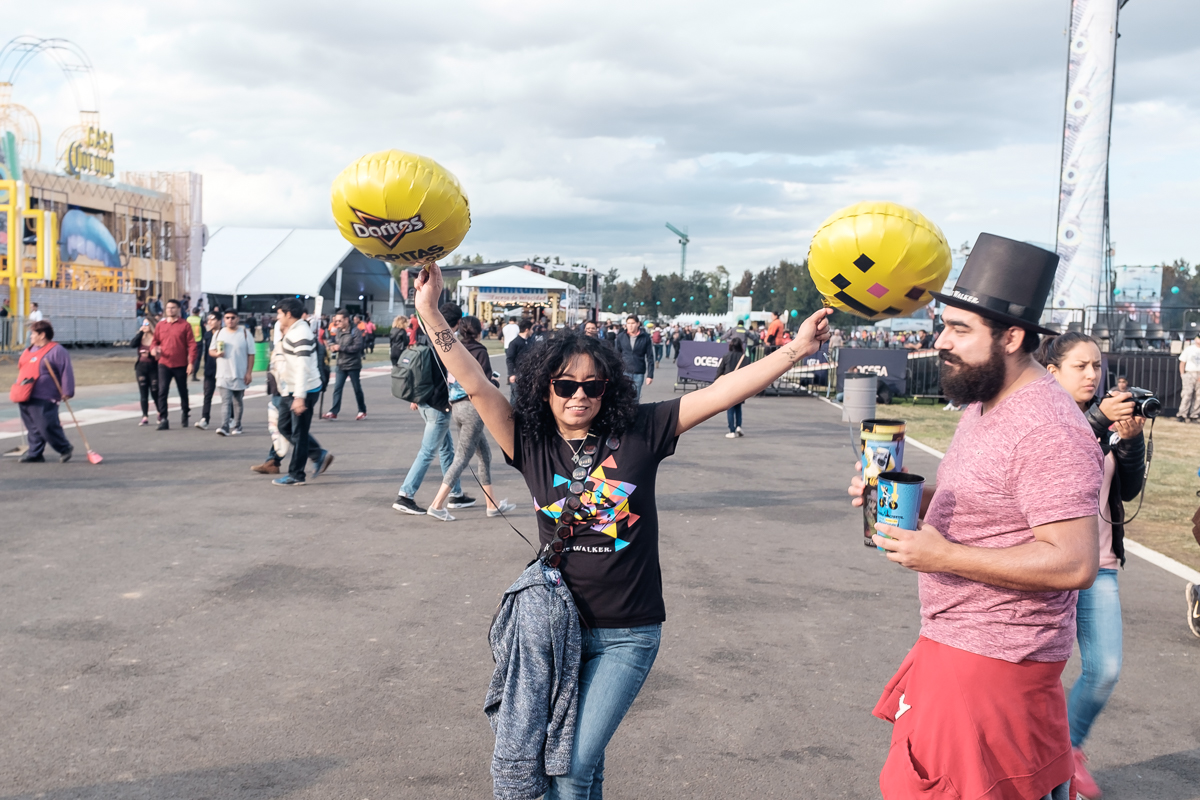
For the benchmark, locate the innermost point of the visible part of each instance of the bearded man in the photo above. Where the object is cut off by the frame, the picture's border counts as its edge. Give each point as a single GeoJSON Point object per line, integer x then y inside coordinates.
{"type": "Point", "coordinates": [1008, 536]}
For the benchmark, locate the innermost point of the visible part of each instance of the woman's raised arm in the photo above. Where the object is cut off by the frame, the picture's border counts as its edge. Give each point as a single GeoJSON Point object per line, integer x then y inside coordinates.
{"type": "Point", "coordinates": [739, 385]}
{"type": "Point", "coordinates": [492, 405]}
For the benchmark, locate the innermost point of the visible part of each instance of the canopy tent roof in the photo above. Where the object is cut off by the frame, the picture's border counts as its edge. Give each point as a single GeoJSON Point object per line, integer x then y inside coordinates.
{"type": "Point", "coordinates": [515, 278]}
{"type": "Point", "coordinates": [275, 261]}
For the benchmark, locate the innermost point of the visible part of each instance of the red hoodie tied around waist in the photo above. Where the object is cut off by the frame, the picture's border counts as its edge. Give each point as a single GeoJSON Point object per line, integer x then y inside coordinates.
{"type": "Point", "coordinates": [972, 727]}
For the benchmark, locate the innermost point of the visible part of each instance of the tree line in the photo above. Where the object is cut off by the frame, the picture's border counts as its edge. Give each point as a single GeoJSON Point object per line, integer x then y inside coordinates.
{"type": "Point", "coordinates": [781, 288]}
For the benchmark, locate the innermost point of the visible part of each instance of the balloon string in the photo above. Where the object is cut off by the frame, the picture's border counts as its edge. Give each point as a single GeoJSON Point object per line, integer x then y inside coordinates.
{"type": "Point", "coordinates": [486, 493]}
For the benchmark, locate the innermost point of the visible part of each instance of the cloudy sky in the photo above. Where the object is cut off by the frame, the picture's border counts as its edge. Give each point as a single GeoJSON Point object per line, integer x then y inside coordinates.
{"type": "Point", "coordinates": [579, 129]}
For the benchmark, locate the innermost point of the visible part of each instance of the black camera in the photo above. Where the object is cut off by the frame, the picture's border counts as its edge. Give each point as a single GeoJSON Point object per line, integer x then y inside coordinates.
{"type": "Point", "coordinates": [1145, 404]}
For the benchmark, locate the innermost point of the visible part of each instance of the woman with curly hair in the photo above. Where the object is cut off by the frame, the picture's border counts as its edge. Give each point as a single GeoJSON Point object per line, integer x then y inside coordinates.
{"type": "Point", "coordinates": [589, 453]}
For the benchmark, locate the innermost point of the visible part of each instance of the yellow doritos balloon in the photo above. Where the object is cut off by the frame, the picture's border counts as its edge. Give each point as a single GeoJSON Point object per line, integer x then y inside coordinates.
{"type": "Point", "coordinates": [878, 260]}
{"type": "Point", "coordinates": [400, 207]}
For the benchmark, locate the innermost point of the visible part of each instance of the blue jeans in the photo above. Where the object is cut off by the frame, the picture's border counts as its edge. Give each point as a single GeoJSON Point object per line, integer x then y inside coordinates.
{"type": "Point", "coordinates": [437, 438]}
{"type": "Point", "coordinates": [1098, 628]}
{"type": "Point", "coordinates": [614, 665]}
{"type": "Point", "coordinates": [734, 417]}
{"type": "Point", "coordinates": [339, 383]}
{"type": "Point", "coordinates": [658, 353]}
{"type": "Point", "coordinates": [639, 380]}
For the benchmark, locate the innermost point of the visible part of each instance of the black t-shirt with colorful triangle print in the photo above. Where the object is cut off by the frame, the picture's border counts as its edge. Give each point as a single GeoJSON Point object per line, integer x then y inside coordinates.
{"type": "Point", "coordinates": [611, 563]}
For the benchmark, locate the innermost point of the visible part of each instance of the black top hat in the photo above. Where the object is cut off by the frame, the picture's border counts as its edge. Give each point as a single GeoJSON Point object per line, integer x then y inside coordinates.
{"type": "Point", "coordinates": [1005, 280]}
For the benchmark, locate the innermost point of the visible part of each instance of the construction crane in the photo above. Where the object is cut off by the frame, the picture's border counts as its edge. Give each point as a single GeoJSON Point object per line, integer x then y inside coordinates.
{"type": "Point", "coordinates": [683, 241]}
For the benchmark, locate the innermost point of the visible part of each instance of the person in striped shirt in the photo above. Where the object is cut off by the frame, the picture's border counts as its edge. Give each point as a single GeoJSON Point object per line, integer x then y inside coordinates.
{"type": "Point", "coordinates": [300, 386]}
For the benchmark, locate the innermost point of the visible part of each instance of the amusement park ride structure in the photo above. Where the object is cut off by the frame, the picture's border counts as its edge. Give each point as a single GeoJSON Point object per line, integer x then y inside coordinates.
{"type": "Point", "coordinates": [152, 218]}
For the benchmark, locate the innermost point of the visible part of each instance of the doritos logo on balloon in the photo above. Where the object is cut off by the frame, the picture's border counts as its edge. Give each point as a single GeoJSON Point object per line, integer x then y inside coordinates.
{"type": "Point", "coordinates": [433, 252]}
{"type": "Point", "coordinates": [390, 232]}
{"type": "Point", "coordinates": [390, 200]}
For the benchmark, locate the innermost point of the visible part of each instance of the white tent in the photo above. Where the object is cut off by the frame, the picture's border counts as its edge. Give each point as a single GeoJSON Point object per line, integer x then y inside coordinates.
{"type": "Point", "coordinates": [243, 261]}
{"type": "Point", "coordinates": [273, 262]}
{"type": "Point", "coordinates": [515, 286]}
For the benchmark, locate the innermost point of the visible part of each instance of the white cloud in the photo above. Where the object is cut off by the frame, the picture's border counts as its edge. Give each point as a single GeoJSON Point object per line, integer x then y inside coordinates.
{"type": "Point", "coordinates": [579, 129]}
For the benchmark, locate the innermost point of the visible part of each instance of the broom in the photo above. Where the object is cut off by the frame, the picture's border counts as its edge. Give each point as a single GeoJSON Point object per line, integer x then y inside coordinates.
{"type": "Point", "coordinates": [92, 455]}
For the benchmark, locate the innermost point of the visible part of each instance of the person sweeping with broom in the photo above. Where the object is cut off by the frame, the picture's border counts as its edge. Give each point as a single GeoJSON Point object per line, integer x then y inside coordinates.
{"type": "Point", "coordinates": [44, 378]}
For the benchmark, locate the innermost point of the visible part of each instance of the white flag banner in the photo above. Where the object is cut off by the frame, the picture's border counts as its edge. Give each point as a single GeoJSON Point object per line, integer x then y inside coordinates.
{"type": "Point", "coordinates": [1084, 177]}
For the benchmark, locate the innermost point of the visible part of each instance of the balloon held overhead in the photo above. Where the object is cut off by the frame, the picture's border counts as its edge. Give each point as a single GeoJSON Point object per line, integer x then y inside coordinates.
{"type": "Point", "coordinates": [400, 207]}
{"type": "Point", "coordinates": [878, 260]}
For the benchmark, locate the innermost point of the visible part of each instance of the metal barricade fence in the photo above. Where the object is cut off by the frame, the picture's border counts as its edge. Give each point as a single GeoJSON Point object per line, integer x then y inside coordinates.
{"type": "Point", "coordinates": [72, 330]}
{"type": "Point", "coordinates": [8, 338]}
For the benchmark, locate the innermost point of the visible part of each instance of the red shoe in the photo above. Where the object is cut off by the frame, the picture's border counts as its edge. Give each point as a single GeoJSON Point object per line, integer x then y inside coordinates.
{"type": "Point", "coordinates": [361, 415]}
{"type": "Point", "coordinates": [329, 415]}
{"type": "Point", "coordinates": [1085, 784]}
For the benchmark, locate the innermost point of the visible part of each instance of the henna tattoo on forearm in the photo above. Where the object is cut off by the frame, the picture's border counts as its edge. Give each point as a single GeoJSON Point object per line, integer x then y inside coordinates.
{"type": "Point", "coordinates": [445, 340]}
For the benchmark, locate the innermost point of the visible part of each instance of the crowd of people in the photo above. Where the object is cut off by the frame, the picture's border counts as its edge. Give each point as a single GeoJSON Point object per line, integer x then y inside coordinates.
{"type": "Point", "coordinates": [1017, 552]}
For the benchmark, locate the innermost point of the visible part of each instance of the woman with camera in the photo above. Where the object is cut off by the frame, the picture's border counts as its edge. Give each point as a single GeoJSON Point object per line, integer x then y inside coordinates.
{"type": "Point", "coordinates": [589, 453]}
{"type": "Point", "coordinates": [1074, 360]}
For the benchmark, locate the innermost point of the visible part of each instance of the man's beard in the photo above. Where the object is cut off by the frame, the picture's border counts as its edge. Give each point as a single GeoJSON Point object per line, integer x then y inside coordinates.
{"type": "Point", "coordinates": [964, 383]}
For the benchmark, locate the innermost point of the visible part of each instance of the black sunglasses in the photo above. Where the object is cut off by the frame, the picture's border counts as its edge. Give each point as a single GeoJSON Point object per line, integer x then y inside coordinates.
{"type": "Point", "coordinates": [565, 388]}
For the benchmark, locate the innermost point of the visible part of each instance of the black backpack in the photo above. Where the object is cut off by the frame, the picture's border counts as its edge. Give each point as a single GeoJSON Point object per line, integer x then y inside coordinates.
{"type": "Point", "coordinates": [418, 378]}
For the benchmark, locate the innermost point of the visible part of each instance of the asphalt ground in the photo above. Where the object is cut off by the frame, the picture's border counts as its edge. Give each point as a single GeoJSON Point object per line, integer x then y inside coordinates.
{"type": "Point", "coordinates": [176, 627]}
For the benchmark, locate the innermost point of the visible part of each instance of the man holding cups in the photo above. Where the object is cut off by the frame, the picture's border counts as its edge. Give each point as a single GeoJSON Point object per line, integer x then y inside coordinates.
{"type": "Point", "coordinates": [1008, 535]}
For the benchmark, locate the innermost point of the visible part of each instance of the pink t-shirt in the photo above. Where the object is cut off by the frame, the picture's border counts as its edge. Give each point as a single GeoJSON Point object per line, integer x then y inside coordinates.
{"type": "Point", "coordinates": [1030, 461]}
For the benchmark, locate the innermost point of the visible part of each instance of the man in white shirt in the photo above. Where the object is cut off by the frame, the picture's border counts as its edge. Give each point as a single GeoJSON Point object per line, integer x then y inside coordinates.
{"type": "Point", "coordinates": [1189, 370]}
{"type": "Point", "coordinates": [510, 331]}
{"type": "Point", "coordinates": [35, 314]}
{"type": "Point", "coordinates": [233, 347]}
{"type": "Point", "coordinates": [300, 386]}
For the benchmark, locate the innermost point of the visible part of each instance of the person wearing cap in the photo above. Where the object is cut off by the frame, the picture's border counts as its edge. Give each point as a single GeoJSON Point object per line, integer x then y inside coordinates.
{"type": "Point", "coordinates": [1009, 534]}
{"type": "Point", "coordinates": [146, 369]}
{"type": "Point", "coordinates": [1189, 372]}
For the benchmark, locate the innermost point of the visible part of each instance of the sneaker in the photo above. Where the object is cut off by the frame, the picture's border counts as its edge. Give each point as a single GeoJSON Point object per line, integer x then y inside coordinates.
{"type": "Point", "coordinates": [1085, 785]}
{"type": "Point", "coordinates": [145, 421]}
{"type": "Point", "coordinates": [184, 421]}
{"type": "Point", "coordinates": [440, 513]}
{"type": "Point", "coordinates": [731, 435]}
{"type": "Point", "coordinates": [266, 468]}
{"type": "Point", "coordinates": [164, 425]}
{"type": "Point", "coordinates": [221, 431]}
{"type": "Point", "coordinates": [361, 415]}
{"type": "Point", "coordinates": [287, 480]}
{"type": "Point", "coordinates": [460, 501]}
{"type": "Point", "coordinates": [329, 415]}
{"type": "Point", "coordinates": [1192, 592]}
{"type": "Point", "coordinates": [65, 457]}
{"type": "Point", "coordinates": [28, 459]}
{"type": "Point", "coordinates": [202, 424]}
{"type": "Point", "coordinates": [739, 431]}
{"type": "Point", "coordinates": [235, 432]}
{"type": "Point", "coordinates": [505, 507]}
{"type": "Point", "coordinates": [321, 465]}
{"type": "Point", "coordinates": [1180, 419]}
{"type": "Point", "coordinates": [407, 505]}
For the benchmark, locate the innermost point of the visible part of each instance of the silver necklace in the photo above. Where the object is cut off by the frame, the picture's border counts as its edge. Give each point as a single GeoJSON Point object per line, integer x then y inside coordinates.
{"type": "Point", "coordinates": [575, 450]}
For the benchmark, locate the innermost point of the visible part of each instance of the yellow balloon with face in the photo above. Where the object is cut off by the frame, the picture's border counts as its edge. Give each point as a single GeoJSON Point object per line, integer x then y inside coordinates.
{"type": "Point", "coordinates": [400, 207]}
{"type": "Point", "coordinates": [878, 260]}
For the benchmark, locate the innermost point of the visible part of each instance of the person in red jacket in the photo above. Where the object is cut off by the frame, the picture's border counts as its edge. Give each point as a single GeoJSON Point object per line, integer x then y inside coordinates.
{"type": "Point", "coordinates": [175, 349]}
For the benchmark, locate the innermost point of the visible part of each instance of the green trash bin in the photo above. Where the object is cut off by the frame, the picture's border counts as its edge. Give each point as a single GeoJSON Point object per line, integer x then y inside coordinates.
{"type": "Point", "coordinates": [262, 356]}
